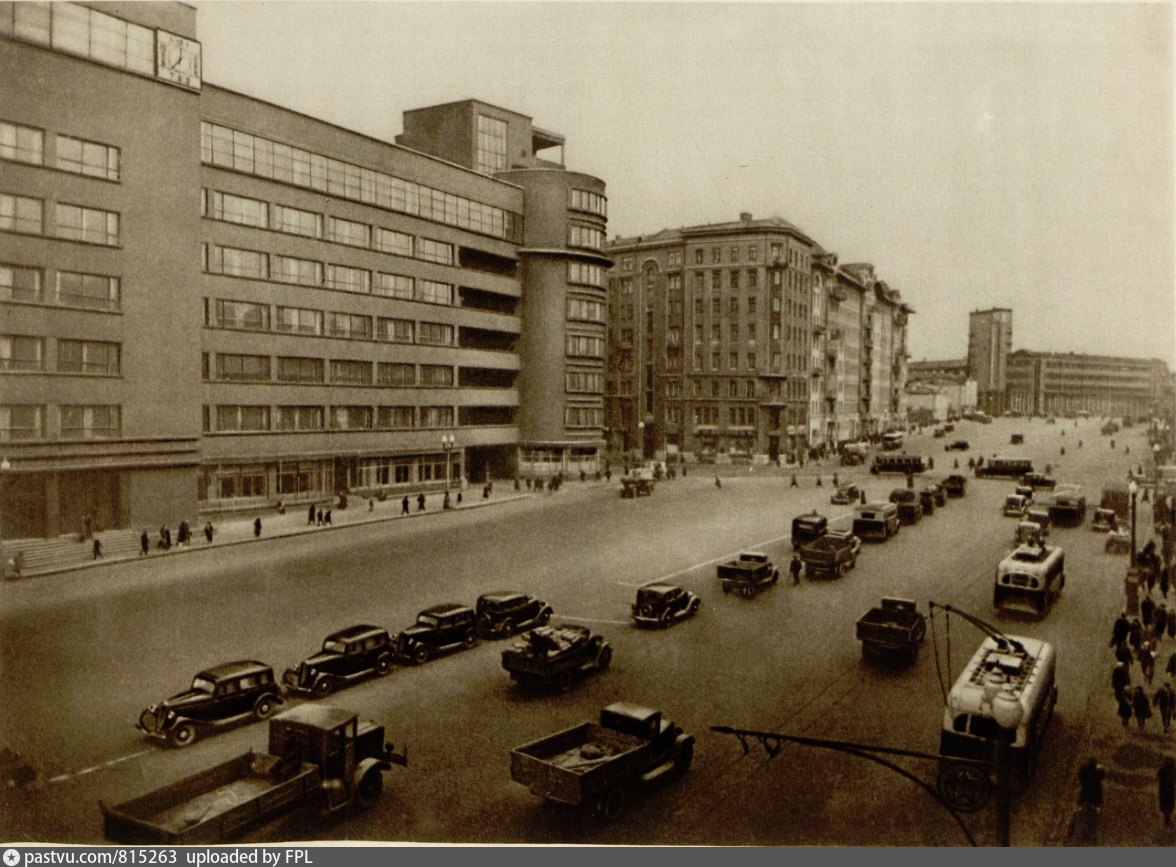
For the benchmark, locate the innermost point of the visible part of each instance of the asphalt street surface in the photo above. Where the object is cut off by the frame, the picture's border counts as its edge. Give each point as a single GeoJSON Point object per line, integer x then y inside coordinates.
{"type": "Point", "coordinates": [85, 653]}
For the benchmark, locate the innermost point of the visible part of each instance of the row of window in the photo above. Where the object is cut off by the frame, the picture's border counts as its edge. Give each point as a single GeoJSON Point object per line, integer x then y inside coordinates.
{"type": "Point", "coordinates": [27, 216]}
{"type": "Point", "coordinates": [233, 367]}
{"type": "Point", "coordinates": [252, 418]}
{"type": "Point", "coordinates": [584, 200]}
{"type": "Point", "coordinates": [255, 265]}
{"type": "Point", "coordinates": [94, 291]}
{"type": "Point", "coordinates": [585, 236]}
{"type": "Point", "coordinates": [584, 416]}
{"type": "Point", "coordinates": [74, 421]}
{"type": "Point", "coordinates": [248, 316]}
{"type": "Point", "coordinates": [589, 275]}
{"type": "Point", "coordinates": [255, 155]}
{"type": "Point", "coordinates": [490, 154]}
{"type": "Point", "coordinates": [26, 144]}
{"type": "Point", "coordinates": [585, 346]}
{"type": "Point", "coordinates": [586, 309]}
{"type": "Point", "coordinates": [775, 254]}
{"type": "Point", "coordinates": [86, 32]}
{"type": "Point", "coordinates": [27, 354]}
{"type": "Point", "coordinates": [291, 478]}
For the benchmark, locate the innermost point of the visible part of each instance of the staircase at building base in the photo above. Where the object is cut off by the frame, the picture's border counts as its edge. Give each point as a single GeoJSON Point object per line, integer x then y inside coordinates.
{"type": "Point", "coordinates": [52, 555]}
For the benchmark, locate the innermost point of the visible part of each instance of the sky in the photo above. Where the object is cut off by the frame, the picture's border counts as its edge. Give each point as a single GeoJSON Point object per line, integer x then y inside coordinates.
{"type": "Point", "coordinates": [979, 155]}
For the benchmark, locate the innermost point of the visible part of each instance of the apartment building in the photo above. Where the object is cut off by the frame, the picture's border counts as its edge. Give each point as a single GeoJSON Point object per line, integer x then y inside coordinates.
{"type": "Point", "coordinates": [211, 302]}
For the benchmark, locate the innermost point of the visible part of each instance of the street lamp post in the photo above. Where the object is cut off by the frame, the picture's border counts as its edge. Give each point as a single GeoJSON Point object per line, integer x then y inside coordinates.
{"type": "Point", "coordinates": [447, 443]}
{"type": "Point", "coordinates": [641, 438]}
{"type": "Point", "coordinates": [1133, 488]}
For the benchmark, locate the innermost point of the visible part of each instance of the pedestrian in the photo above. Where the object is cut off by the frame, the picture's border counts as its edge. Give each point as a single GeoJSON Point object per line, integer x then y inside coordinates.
{"type": "Point", "coordinates": [583, 476]}
{"type": "Point", "coordinates": [144, 544]}
{"type": "Point", "coordinates": [862, 493]}
{"type": "Point", "coordinates": [1141, 706]}
{"type": "Point", "coordinates": [97, 548]}
{"type": "Point", "coordinates": [486, 491]}
{"type": "Point", "coordinates": [256, 527]}
{"type": "Point", "coordinates": [208, 532]}
{"type": "Point", "coordinates": [371, 504]}
{"type": "Point", "coordinates": [836, 484]}
{"type": "Point", "coordinates": [1170, 668]}
{"type": "Point", "coordinates": [167, 539]}
{"type": "Point", "coordinates": [1165, 701]}
{"type": "Point", "coordinates": [608, 473]}
{"type": "Point", "coordinates": [310, 514]}
{"type": "Point", "coordinates": [1147, 661]}
{"type": "Point", "coordinates": [1135, 635]}
{"type": "Point", "coordinates": [1172, 623]}
{"type": "Point", "coordinates": [421, 501]}
{"type": "Point", "coordinates": [1165, 581]}
{"type": "Point", "coordinates": [404, 505]}
{"type": "Point", "coordinates": [1124, 655]}
{"type": "Point", "coordinates": [1147, 611]}
{"type": "Point", "coordinates": [1090, 783]}
{"type": "Point", "coordinates": [184, 533]}
{"type": "Point", "coordinates": [794, 568]}
{"type": "Point", "coordinates": [1160, 622]}
{"type": "Point", "coordinates": [445, 504]}
{"type": "Point", "coordinates": [794, 483]}
{"type": "Point", "coordinates": [910, 480]}
{"type": "Point", "coordinates": [1166, 778]}
{"type": "Point", "coordinates": [1120, 630]}
{"type": "Point", "coordinates": [718, 483]}
{"type": "Point", "coordinates": [459, 498]}
{"type": "Point", "coordinates": [1125, 709]}
{"type": "Point", "coordinates": [327, 517]}
{"type": "Point", "coordinates": [318, 518]}
{"type": "Point", "coordinates": [818, 481]}
{"type": "Point", "coordinates": [1120, 680]}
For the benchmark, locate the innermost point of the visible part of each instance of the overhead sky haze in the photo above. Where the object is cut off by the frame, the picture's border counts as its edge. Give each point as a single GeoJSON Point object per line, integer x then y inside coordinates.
{"type": "Point", "coordinates": [979, 155]}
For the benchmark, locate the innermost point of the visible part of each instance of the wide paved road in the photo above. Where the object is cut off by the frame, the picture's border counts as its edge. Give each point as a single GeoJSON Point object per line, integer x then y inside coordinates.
{"type": "Point", "coordinates": [81, 655]}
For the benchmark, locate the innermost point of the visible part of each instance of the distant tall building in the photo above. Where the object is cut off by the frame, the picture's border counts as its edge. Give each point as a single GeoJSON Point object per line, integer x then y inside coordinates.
{"type": "Point", "coordinates": [990, 340]}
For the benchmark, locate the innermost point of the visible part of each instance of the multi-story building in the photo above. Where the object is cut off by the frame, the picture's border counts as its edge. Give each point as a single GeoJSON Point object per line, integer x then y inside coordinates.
{"type": "Point", "coordinates": [1051, 383]}
{"type": "Point", "coordinates": [743, 340]}
{"type": "Point", "coordinates": [990, 339]}
{"type": "Point", "coordinates": [948, 379]}
{"type": "Point", "coordinates": [210, 302]}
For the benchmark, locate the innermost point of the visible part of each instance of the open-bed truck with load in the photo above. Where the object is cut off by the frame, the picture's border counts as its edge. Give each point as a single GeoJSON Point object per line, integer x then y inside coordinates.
{"type": "Point", "coordinates": [556, 655]}
{"type": "Point", "coordinates": [894, 629]}
{"type": "Point", "coordinates": [595, 766]}
{"type": "Point", "coordinates": [317, 755]}
{"type": "Point", "coordinates": [829, 556]}
{"type": "Point", "coordinates": [748, 574]}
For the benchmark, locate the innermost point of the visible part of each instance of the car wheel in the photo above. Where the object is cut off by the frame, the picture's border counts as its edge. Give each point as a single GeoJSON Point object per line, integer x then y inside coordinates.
{"type": "Point", "coordinates": [182, 735]}
{"type": "Point", "coordinates": [726, 587]}
{"type": "Point", "coordinates": [420, 654]}
{"type": "Point", "coordinates": [324, 687]}
{"type": "Point", "coordinates": [647, 609]}
{"type": "Point", "coordinates": [613, 804]}
{"type": "Point", "coordinates": [264, 708]}
{"type": "Point", "coordinates": [470, 638]}
{"type": "Point", "coordinates": [694, 606]}
{"type": "Point", "coordinates": [371, 784]}
{"type": "Point", "coordinates": [604, 659]}
{"type": "Point", "coordinates": [383, 665]}
{"type": "Point", "coordinates": [684, 757]}
{"type": "Point", "coordinates": [748, 591]}
{"type": "Point", "coordinates": [545, 617]}
{"type": "Point", "coordinates": [665, 618]}
{"type": "Point", "coordinates": [564, 682]}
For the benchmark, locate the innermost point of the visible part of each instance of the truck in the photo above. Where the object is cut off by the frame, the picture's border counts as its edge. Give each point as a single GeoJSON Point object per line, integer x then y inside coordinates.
{"type": "Point", "coordinates": [894, 629]}
{"type": "Point", "coordinates": [828, 556]}
{"type": "Point", "coordinates": [1116, 496]}
{"type": "Point", "coordinates": [556, 655]}
{"type": "Point", "coordinates": [317, 755]}
{"type": "Point", "coordinates": [806, 528]}
{"type": "Point", "coordinates": [638, 483]}
{"type": "Point", "coordinates": [748, 574]}
{"type": "Point", "coordinates": [594, 766]}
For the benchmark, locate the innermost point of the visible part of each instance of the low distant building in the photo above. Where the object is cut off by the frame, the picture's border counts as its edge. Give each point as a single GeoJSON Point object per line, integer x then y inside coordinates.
{"type": "Point", "coordinates": [1053, 383]}
{"type": "Point", "coordinates": [949, 379]}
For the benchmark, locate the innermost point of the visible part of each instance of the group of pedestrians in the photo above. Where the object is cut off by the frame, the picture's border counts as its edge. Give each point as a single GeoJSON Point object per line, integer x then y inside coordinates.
{"type": "Point", "coordinates": [183, 538]}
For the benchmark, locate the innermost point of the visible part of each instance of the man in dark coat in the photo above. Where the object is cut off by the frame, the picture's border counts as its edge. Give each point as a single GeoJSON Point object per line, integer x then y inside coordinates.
{"type": "Point", "coordinates": [421, 502]}
{"type": "Point", "coordinates": [404, 505]}
{"type": "Point", "coordinates": [1141, 707]}
{"type": "Point", "coordinates": [1160, 621]}
{"type": "Point", "coordinates": [1165, 702]}
{"type": "Point", "coordinates": [1120, 679]}
{"type": "Point", "coordinates": [1090, 783]}
{"type": "Point", "coordinates": [1124, 655]}
{"type": "Point", "coordinates": [1120, 630]}
{"type": "Point", "coordinates": [1166, 778]}
{"type": "Point", "coordinates": [1147, 610]}
{"type": "Point", "coordinates": [1125, 709]}
{"type": "Point", "coordinates": [794, 567]}
{"type": "Point", "coordinates": [1135, 634]}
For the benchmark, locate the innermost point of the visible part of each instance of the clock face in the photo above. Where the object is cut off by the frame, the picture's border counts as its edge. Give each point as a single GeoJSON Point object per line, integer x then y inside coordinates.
{"type": "Point", "coordinates": [177, 59]}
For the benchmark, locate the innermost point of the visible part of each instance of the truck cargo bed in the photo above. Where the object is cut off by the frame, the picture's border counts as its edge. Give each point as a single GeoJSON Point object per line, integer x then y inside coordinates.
{"type": "Point", "coordinates": [573, 765]}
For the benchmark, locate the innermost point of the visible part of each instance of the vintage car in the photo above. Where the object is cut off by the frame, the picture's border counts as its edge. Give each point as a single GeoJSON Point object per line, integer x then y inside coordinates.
{"type": "Point", "coordinates": [1104, 521]}
{"type": "Point", "coordinates": [346, 656]}
{"type": "Point", "coordinates": [909, 504]}
{"type": "Point", "coordinates": [948, 428]}
{"type": "Point", "coordinates": [938, 433]}
{"type": "Point", "coordinates": [1051, 420]}
{"type": "Point", "coordinates": [443, 627]}
{"type": "Point", "coordinates": [1038, 480]}
{"type": "Point", "coordinates": [1029, 533]}
{"type": "Point", "coordinates": [503, 613]}
{"type": "Point", "coordinates": [663, 604]}
{"type": "Point", "coordinates": [1040, 516]}
{"type": "Point", "coordinates": [556, 656]}
{"type": "Point", "coordinates": [806, 528]}
{"type": "Point", "coordinates": [1068, 504]}
{"type": "Point", "coordinates": [955, 485]}
{"type": "Point", "coordinates": [1016, 439]}
{"type": "Point", "coordinates": [957, 446]}
{"type": "Point", "coordinates": [1110, 428]}
{"type": "Point", "coordinates": [1014, 506]}
{"type": "Point", "coordinates": [938, 494]}
{"type": "Point", "coordinates": [1026, 492]}
{"type": "Point", "coordinates": [846, 495]}
{"type": "Point", "coordinates": [1118, 542]}
{"type": "Point", "coordinates": [219, 696]}
{"type": "Point", "coordinates": [927, 500]}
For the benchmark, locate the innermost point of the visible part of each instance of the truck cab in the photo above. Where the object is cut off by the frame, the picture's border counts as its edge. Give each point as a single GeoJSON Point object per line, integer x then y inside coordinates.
{"type": "Point", "coordinates": [910, 508]}
{"type": "Point", "coordinates": [641, 722]}
{"type": "Point", "coordinates": [806, 528]}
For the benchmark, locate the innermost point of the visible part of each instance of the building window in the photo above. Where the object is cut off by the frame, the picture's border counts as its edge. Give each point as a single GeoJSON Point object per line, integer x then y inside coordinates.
{"type": "Point", "coordinates": [751, 305]}
{"type": "Point", "coordinates": [236, 209]}
{"type": "Point", "coordinates": [243, 368]}
{"type": "Point", "coordinates": [22, 422]}
{"type": "Point", "coordinates": [22, 143]}
{"type": "Point", "coordinates": [675, 258]}
{"type": "Point", "coordinates": [733, 306]}
{"type": "Point", "coordinates": [393, 417]}
{"type": "Point", "coordinates": [396, 330]}
{"type": "Point", "coordinates": [242, 315]}
{"type": "Point", "coordinates": [351, 418]}
{"type": "Point", "coordinates": [295, 418]}
{"type": "Point", "coordinates": [436, 416]}
{"type": "Point", "coordinates": [434, 251]}
{"type": "Point", "coordinates": [351, 325]}
{"type": "Point", "coordinates": [351, 372]}
{"type": "Point", "coordinates": [348, 279]}
{"type": "Point", "coordinates": [230, 261]}
{"type": "Point", "coordinates": [21, 353]}
{"type": "Point", "coordinates": [435, 334]}
{"type": "Point", "coordinates": [734, 331]}
{"type": "Point", "coordinates": [491, 151]}
{"type": "Point", "coordinates": [733, 360]}
{"type": "Point", "coordinates": [88, 356]}
{"type": "Point", "coordinates": [349, 233]}
{"type": "Point", "coordinates": [583, 200]}
{"type": "Point", "coordinates": [589, 311]}
{"type": "Point", "coordinates": [395, 286]}
{"type": "Point", "coordinates": [293, 221]}
{"type": "Point", "coordinates": [433, 292]}
{"type": "Point", "coordinates": [19, 284]}
{"type": "Point", "coordinates": [716, 255]}
{"type": "Point", "coordinates": [87, 158]}
{"type": "Point", "coordinates": [585, 236]}
{"type": "Point", "coordinates": [92, 34]}
{"type": "Point", "coordinates": [716, 387]}
{"type": "Point", "coordinates": [716, 332]}
{"type": "Point", "coordinates": [751, 332]}
{"type": "Point", "coordinates": [751, 361]}
{"type": "Point", "coordinates": [716, 361]}
{"type": "Point", "coordinates": [752, 253]}
{"type": "Point", "coordinates": [90, 225]}
{"type": "Point", "coordinates": [21, 214]}
{"type": "Point", "coordinates": [579, 381]}
{"type": "Point", "coordinates": [300, 320]}
{"type": "Point", "coordinates": [301, 272]}
{"type": "Point", "coordinates": [436, 375]}
{"type": "Point", "coordinates": [396, 374]}
{"type": "Point", "coordinates": [734, 254]}
{"type": "Point", "coordinates": [589, 275]}
{"type": "Point", "coordinates": [583, 345]}
{"type": "Point", "coordinates": [295, 369]}
{"type": "Point", "coordinates": [583, 416]}
{"type": "Point", "coordinates": [91, 422]}
{"type": "Point", "coordinates": [396, 243]}
{"type": "Point", "coordinates": [242, 418]}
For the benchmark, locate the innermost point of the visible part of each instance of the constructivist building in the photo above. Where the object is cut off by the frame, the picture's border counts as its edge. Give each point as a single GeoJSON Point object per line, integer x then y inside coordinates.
{"type": "Point", "coordinates": [990, 339]}
{"type": "Point", "coordinates": [744, 341]}
{"type": "Point", "coordinates": [211, 302]}
{"type": "Point", "coordinates": [1055, 383]}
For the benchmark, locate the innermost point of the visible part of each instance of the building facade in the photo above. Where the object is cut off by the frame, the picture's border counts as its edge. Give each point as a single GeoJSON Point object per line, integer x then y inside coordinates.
{"type": "Point", "coordinates": [210, 302]}
{"type": "Point", "coordinates": [990, 340]}
{"type": "Point", "coordinates": [744, 341]}
{"type": "Point", "coordinates": [1050, 383]}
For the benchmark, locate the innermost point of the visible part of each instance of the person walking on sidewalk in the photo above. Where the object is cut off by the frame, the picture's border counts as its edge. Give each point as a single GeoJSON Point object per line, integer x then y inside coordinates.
{"type": "Point", "coordinates": [794, 568]}
{"type": "Point", "coordinates": [1124, 710]}
{"type": "Point", "coordinates": [421, 502]}
{"type": "Point", "coordinates": [1120, 630]}
{"type": "Point", "coordinates": [404, 505]}
{"type": "Point", "coordinates": [1120, 680]}
{"type": "Point", "coordinates": [310, 514]}
{"type": "Point", "coordinates": [144, 544]}
{"type": "Point", "coordinates": [1165, 701]}
{"type": "Point", "coordinates": [1090, 784]}
{"type": "Point", "coordinates": [1147, 662]}
{"type": "Point", "coordinates": [1166, 778]}
{"type": "Point", "coordinates": [256, 527]}
{"type": "Point", "coordinates": [97, 548]}
{"type": "Point", "coordinates": [1141, 706]}
{"type": "Point", "coordinates": [208, 532]}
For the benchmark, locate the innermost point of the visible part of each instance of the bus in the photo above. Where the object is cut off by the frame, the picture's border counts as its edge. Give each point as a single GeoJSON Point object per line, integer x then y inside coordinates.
{"type": "Point", "coordinates": [1029, 579]}
{"type": "Point", "coordinates": [901, 464]}
{"type": "Point", "coordinates": [1025, 667]}
{"type": "Point", "coordinates": [892, 441]}
{"type": "Point", "coordinates": [1013, 468]}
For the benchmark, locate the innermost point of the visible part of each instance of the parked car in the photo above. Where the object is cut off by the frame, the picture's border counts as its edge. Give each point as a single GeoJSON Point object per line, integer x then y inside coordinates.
{"type": "Point", "coordinates": [948, 428]}
{"type": "Point", "coordinates": [346, 656]}
{"type": "Point", "coordinates": [927, 500]}
{"type": "Point", "coordinates": [1038, 480]}
{"type": "Point", "coordinates": [1029, 533]}
{"type": "Point", "coordinates": [443, 627]}
{"type": "Point", "coordinates": [910, 508]}
{"type": "Point", "coordinates": [938, 433]}
{"type": "Point", "coordinates": [219, 696]}
{"type": "Point", "coordinates": [957, 446]}
{"type": "Point", "coordinates": [846, 495]}
{"type": "Point", "coordinates": [1104, 520]}
{"type": "Point", "coordinates": [662, 604]}
{"type": "Point", "coordinates": [955, 485]}
{"type": "Point", "coordinates": [748, 574]}
{"type": "Point", "coordinates": [503, 613]}
{"type": "Point", "coordinates": [937, 493]}
{"type": "Point", "coordinates": [1118, 542]}
{"type": "Point", "coordinates": [1016, 439]}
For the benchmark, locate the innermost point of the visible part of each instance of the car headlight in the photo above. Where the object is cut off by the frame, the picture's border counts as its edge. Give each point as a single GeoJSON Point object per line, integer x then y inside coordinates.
{"type": "Point", "coordinates": [312, 671]}
{"type": "Point", "coordinates": [171, 715]}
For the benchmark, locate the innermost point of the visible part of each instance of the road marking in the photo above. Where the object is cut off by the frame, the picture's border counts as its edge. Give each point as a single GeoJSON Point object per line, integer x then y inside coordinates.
{"type": "Point", "coordinates": [61, 778]}
{"type": "Point", "coordinates": [573, 618]}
